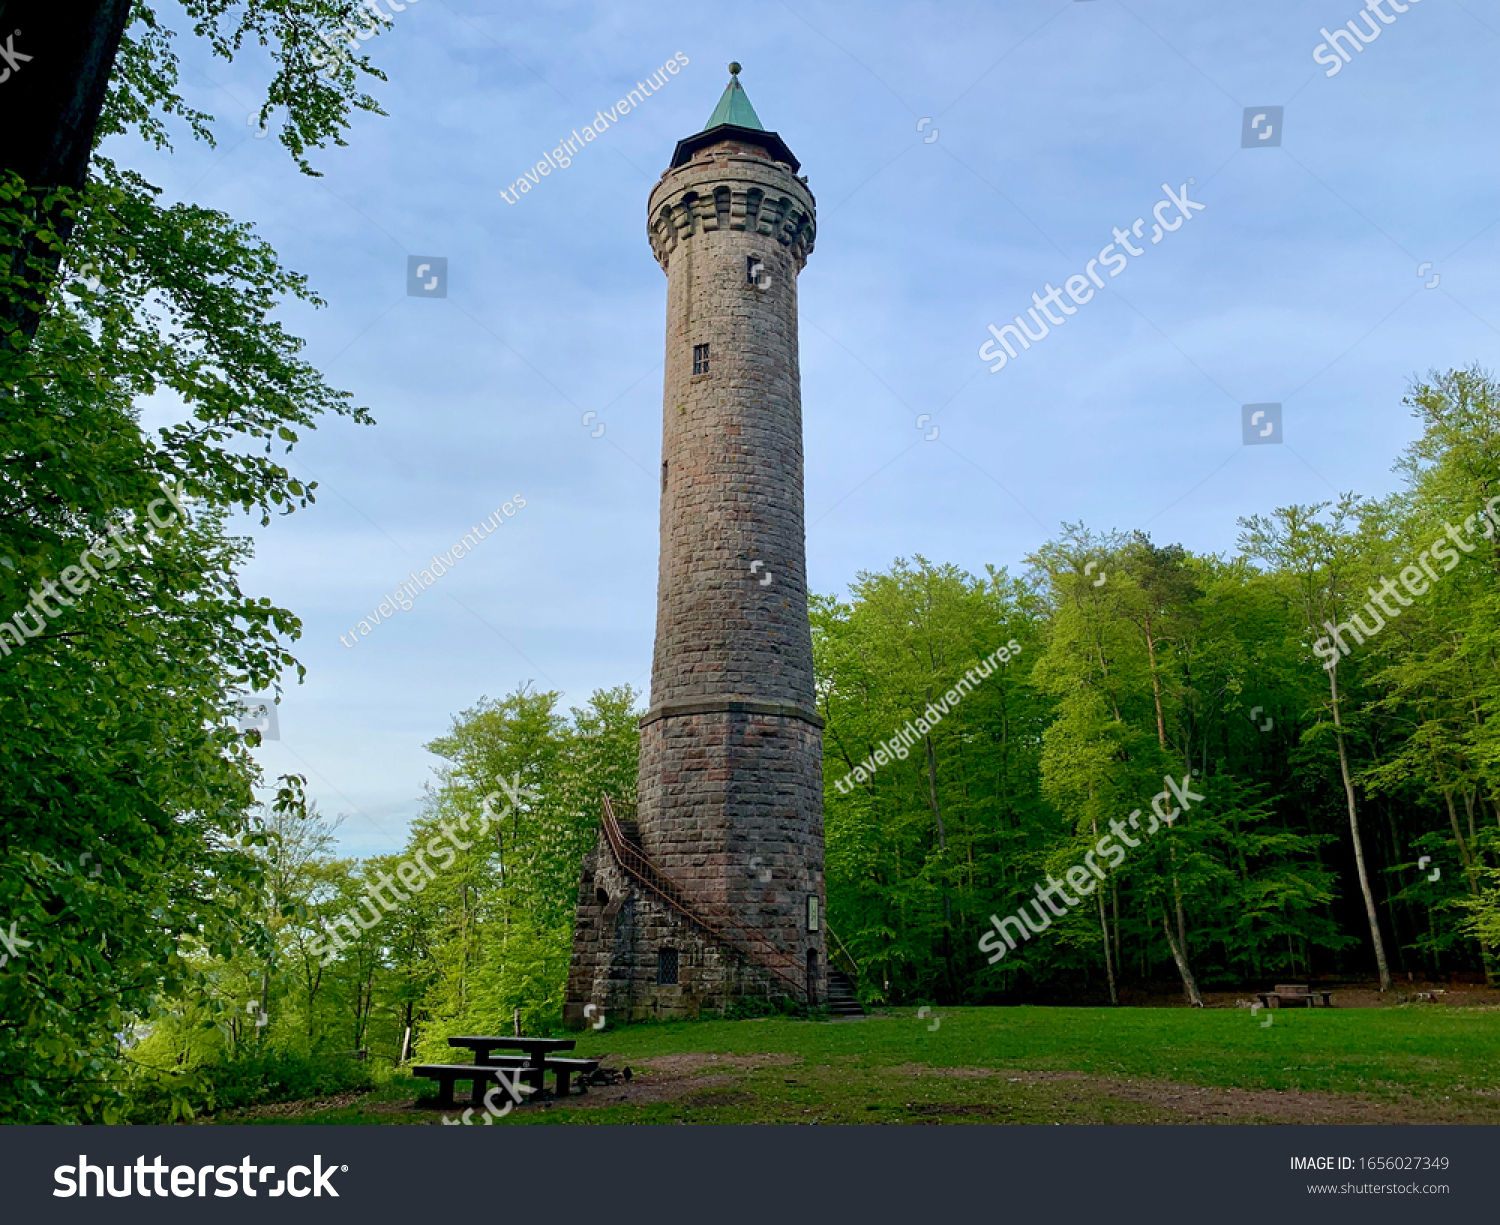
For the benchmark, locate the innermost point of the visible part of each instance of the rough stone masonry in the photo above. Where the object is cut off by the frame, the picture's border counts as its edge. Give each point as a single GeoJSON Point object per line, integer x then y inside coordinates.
{"type": "Point", "coordinates": [729, 801]}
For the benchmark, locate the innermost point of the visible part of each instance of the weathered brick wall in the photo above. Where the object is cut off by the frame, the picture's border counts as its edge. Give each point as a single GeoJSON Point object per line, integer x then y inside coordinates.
{"type": "Point", "coordinates": [731, 808]}
{"type": "Point", "coordinates": [732, 438]}
{"type": "Point", "coordinates": [615, 944]}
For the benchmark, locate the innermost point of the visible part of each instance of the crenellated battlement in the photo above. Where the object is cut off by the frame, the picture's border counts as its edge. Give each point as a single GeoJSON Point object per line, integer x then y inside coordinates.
{"type": "Point", "coordinates": [732, 186]}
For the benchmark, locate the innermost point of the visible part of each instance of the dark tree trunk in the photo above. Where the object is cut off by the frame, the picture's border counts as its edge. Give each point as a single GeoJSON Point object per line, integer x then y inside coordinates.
{"type": "Point", "coordinates": [50, 104]}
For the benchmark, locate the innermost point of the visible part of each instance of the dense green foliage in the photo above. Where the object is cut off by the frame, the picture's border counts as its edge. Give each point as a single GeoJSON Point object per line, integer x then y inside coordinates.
{"type": "Point", "coordinates": [126, 850]}
{"type": "Point", "coordinates": [487, 932]}
{"type": "Point", "coordinates": [1140, 662]}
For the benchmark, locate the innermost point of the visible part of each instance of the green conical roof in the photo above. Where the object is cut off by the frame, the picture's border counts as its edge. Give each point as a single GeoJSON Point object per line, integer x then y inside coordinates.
{"type": "Point", "coordinates": [733, 112]}
{"type": "Point", "coordinates": [734, 107]}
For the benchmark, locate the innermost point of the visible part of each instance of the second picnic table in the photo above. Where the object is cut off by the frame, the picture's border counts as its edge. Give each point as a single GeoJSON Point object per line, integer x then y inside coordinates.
{"type": "Point", "coordinates": [535, 1050]}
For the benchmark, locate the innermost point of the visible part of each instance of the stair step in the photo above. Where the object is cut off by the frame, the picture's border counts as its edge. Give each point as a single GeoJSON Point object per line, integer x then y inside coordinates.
{"type": "Point", "coordinates": [843, 995]}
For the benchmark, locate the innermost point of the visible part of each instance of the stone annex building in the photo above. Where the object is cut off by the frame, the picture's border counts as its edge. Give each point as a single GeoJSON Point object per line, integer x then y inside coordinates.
{"type": "Point", "coordinates": [708, 889]}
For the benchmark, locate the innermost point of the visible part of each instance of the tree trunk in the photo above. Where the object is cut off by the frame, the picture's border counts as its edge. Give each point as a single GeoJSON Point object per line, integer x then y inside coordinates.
{"type": "Point", "coordinates": [1471, 877]}
{"type": "Point", "coordinates": [1114, 889]}
{"type": "Point", "coordinates": [1109, 965]}
{"type": "Point", "coordinates": [942, 833]}
{"type": "Point", "coordinates": [1189, 987]}
{"type": "Point", "coordinates": [1390, 901]}
{"type": "Point", "coordinates": [1177, 900]}
{"type": "Point", "coordinates": [53, 101]}
{"type": "Point", "coordinates": [1359, 850]}
{"type": "Point", "coordinates": [1161, 720]}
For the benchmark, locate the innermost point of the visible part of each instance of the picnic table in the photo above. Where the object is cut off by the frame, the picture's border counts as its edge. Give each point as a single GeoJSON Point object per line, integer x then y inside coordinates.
{"type": "Point", "coordinates": [1294, 993]}
{"type": "Point", "coordinates": [535, 1049]}
{"type": "Point", "coordinates": [540, 1056]}
{"type": "Point", "coordinates": [447, 1073]}
{"type": "Point", "coordinates": [537, 1058]}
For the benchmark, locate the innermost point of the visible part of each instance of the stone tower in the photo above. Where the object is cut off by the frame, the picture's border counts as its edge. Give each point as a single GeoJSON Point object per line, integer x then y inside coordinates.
{"type": "Point", "coordinates": [710, 889]}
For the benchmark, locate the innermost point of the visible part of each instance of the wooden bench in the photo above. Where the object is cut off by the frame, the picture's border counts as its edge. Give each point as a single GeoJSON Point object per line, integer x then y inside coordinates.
{"type": "Point", "coordinates": [482, 1075]}
{"type": "Point", "coordinates": [565, 1069]}
{"type": "Point", "coordinates": [1294, 993]}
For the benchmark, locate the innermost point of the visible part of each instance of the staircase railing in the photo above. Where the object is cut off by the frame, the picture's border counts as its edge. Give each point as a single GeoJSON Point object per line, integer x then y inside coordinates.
{"type": "Point", "coordinates": [841, 954]}
{"type": "Point", "coordinates": [712, 919]}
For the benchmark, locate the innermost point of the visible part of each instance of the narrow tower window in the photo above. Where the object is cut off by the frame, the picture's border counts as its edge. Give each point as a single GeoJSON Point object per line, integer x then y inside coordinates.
{"type": "Point", "coordinates": [666, 967]}
{"type": "Point", "coordinates": [812, 912]}
{"type": "Point", "coordinates": [700, 359]}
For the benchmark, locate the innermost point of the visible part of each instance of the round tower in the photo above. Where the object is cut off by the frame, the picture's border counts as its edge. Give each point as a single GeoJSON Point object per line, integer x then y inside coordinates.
{"type": "Point", "coordinates": [729, 807]}
{"type": "Point", "coordinates": [731, 782]}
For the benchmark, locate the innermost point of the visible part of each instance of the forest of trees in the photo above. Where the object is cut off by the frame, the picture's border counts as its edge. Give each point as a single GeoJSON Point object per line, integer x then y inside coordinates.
{"type": "Point", "coordinates": [1325, 786]}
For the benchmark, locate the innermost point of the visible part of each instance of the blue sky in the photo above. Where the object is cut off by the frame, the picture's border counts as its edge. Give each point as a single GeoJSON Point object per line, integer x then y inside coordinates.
{"type": "Point", "coordinates": [1055, 121]}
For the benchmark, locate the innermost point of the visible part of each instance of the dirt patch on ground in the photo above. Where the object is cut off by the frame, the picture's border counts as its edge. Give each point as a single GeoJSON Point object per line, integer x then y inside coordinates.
{"type": "Point", "coordinates": [1203, 1104]}
{"type": "Point", "coordinates": [425, 1107]}
{"type": "Point", "coordinates": [687, 1064]}
{"type": "Point", "coordinates": [1021, 1074]}
{"type": "Point", "coordinates": [699, 1078]}
{"type": "Point", "coordinates": [1197, 1104]}
{"type": "Point", "coordinates": [1347, 993]}
{"type": "Point", "coordinates": [937, 1111]}
{"type": "Point", "coordinates": [275, 1110]}
{"type": "Point", "coordinates": [727, 1097]}
{"type": "Point", "coordinates": [707, 1081]}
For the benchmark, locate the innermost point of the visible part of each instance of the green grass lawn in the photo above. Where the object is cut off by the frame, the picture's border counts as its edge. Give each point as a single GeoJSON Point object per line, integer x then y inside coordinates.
{"type": "Point", "coordinates": [1015, 1065]}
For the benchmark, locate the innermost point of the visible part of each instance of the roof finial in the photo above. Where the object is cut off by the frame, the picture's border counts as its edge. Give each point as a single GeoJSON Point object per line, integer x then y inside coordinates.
{"type": "Point", "coordinates": [734, 107]}
{"type": "Point", "coordinates": [734, 68]}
